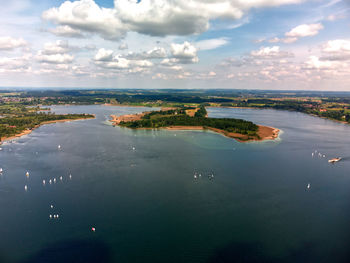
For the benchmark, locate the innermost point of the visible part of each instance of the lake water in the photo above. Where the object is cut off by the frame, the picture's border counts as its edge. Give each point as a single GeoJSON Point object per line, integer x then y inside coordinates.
{"type": "Point", "coordinates": [137, 189]}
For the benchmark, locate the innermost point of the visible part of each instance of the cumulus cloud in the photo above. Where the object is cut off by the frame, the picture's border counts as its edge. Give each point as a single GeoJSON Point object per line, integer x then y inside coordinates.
{"type": "Point", "coordinates": [87, 16]}
{"type": "Point", "coordinates": [123, 46]}
{"type": "Point", "coordinates": [285, 40]}
{"type": "Point", "coordinates": [315, 62]}
{"type": "Point", "coordinates": [270, 53]}
{"type": "Point", "coordinates": [9, 43]}
{"type": "Point", "coordinates": [155, 53]}
{"type": "Point", "coordinates": [209, 44]}
{"type": "Point", "coordinates": [106, 59]}
{"type": "Point", "coordinates": [66, 31]}
{"type": "Point", "coordinates": [184, 53]}
{"type": "Point", "coordinates": [55, 53]}
{"type": "Point", "coordinates": [15, 64]}
{"type": "Point", "coordinates": [338, 49]}
{"type": "Point", "coordinates": [104, 55]}
{"type": "Point", "coordinates": [338, 45]}
{"type": "Point", "coordinates": [59, 47]}
{"type": "Point", "coordinates": [305, 30]}
{"type": "Point", "coordinates": [54, 58]}
{"type": "Point", "coordinates": [151, 17]}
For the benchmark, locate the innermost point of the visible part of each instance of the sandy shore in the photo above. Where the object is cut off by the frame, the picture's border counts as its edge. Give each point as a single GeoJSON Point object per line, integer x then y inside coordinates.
{"type": "Point", "coordinates": [129, 117]}
{"type": "Point", "coordinates": [27, 131]}
{"type": "Point", "coordinates": [264, 132]}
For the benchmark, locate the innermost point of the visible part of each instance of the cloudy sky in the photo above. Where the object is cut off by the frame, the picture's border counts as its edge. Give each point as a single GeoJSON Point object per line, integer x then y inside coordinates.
{"type": "Point", "coordinates": [241, 44]}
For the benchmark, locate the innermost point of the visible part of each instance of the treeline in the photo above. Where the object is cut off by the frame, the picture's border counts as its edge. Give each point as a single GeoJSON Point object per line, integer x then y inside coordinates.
{"type": "Point", "coordinates": [201, 112]}
{"type": "Point", "coordinates": [10, 126]}
{"type": "Point", "coordinates": [339, 115]}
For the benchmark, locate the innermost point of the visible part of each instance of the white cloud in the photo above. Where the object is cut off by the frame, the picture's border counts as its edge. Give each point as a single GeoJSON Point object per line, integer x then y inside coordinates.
{"type": "Point", "coordinates": [54, 58]}
{"type": "Point", "coordinates": [106, 59]}
{"type": "Point", "coordinates": [123, 46]}
{"type": "Point", "coordinates": [66, 31]}
{"type": "Point", "coordinates": [9, 43]}
{"type": "Point", "coordinates": [286, 40]}
{"type": "Point", "coordinates": [59, 47]}
{"type": "Point", "coordinates": [184, 53]}
{"type": "Point", "coordinates": [15, 64]}
{"type": "Point", "coordinates": [338, 45]}
{"type": "Point", "coordinates": [87, 16]}
{"type": "Point", "coordinates": [151, 17]}
{"type": "Point", "coordinates": [314, 62]}
{"type": "Point", "coordinates": [155, 53]}
{"type": "Point", "coordinates": [270, 53]}
{"type": "Point", "coordinates": [104, 55]}
{"type": "Point", "coordinates": [338, 49]}
{"type": "Point", "coordinates": [120, 63]}
{"type": "Point", "coordinates": [305, 30]}
{"type": "Point", "coordinates": [209, 44]}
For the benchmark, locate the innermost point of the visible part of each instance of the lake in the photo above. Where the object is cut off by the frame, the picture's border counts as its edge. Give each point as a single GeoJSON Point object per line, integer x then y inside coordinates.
{"type": "Point", "coordinates": [137, 189]}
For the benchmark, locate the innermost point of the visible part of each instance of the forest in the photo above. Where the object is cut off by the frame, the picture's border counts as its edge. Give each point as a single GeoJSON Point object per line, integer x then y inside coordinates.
{"type": "Point", "coordinates": [10, 126]}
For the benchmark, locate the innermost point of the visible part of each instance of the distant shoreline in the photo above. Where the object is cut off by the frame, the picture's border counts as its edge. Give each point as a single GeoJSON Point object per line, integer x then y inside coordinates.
{"type": "Point", "coordinates": [27, 131]}
{"type": "Point", "coordinates": [264, 132]}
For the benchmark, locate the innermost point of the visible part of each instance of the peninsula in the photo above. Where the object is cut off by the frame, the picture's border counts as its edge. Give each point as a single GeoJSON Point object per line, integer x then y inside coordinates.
{"type": "Point", "coordinates": [15, 126]}
{"type": "Point", "coordinates": [195, 118]}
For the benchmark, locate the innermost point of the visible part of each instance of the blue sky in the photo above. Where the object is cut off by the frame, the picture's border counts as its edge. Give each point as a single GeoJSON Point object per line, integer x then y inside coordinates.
{"type": "Point", "coordinates": [257, 44]}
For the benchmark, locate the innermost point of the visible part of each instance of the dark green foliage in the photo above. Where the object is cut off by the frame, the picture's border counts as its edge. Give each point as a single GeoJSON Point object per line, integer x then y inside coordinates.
{"type": "Point", "coordinates": [230, 125]}
{"type": "Point", "coordinates": [10, 126]}
{"type": "Point", "coordinates": [201, 112]}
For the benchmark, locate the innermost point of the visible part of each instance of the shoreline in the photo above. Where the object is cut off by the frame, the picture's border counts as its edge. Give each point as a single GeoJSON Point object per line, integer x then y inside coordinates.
{"type": "Point", "coordinates": [264, 132]}
{"type": "Point", "coordinates": [28, 131]}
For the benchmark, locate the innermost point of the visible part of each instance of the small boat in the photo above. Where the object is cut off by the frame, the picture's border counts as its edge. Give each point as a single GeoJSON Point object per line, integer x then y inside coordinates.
{"type": "Point", "coordinates": [70, 176]}
{"type": "Point", "coordinates": [25, 188]}
{"type": "Point", "coordinates": [334, 160]}
{"type": "Point", "coordinates": [93, 229]}
{"type": "Point", "coordinates": [44, 182]}
{"type": "Point", "coordinates": [195, 176]}
{"type": "Point", "coordinates": [50, 181]}
{"type": "Point", "coordinates": [1, 170]}
{"type": "Point", "coordinates": [54, 180]}
{"type": "Point", "coordinates": [51, 206]}
{"type": "Point", "coordinates": [59, 146]}
{"type": "Point", "coordinates": [61, 178]}
{"type": "Point", "coordinates": [308, 186]}
{"type": "Point", "coordinates": [50, 216]}
{"type": "Point", "coordinates": [27, 174]}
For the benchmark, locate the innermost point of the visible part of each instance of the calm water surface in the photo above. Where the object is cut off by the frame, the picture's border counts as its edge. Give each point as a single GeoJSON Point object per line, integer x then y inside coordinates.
{"type": "Point", "coordinates": [137, 189]}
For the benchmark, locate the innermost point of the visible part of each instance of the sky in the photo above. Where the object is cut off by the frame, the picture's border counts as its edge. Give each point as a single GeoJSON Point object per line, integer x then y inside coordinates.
{"type": "Point", "coordinates": [185, 44]}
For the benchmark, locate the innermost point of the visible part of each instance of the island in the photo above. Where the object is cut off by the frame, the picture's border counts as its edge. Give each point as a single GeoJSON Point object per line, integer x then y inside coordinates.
{"type": "Point", "coordinates": [196, 118]}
